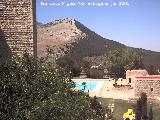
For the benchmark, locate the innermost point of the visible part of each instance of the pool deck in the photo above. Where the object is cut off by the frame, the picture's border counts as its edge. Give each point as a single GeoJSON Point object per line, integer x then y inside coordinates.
{"type": "Point", "coordinates": [106, 89]}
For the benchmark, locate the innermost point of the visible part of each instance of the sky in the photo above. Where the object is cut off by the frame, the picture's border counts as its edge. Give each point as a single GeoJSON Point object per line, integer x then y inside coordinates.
{"type": "Point", "coordinates": [135, 24]}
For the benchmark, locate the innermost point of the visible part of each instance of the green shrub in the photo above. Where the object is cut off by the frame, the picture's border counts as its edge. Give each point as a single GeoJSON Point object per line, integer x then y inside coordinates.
{"type": "Point", "coordinates": [31, 89]}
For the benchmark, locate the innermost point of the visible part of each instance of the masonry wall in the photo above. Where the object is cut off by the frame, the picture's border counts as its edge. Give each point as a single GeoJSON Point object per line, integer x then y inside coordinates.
{"type": "Point", "coordinates": [151, 87]}
{"type": "Point", "coordinates": [18, 22]}
{"type": "Point", "coordinates": [130, 74]}
{"type": "Point", "coordinates": [135, 73]}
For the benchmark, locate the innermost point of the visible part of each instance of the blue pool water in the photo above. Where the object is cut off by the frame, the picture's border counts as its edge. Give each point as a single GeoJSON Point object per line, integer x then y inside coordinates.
{"type": "Point", "coordinates": [88, 86]}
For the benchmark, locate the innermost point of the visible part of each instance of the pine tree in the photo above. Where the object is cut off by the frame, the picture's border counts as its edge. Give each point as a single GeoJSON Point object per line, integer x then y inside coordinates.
{"type": "Point", "coordinates": [150, 114]}
{"type": "Point", "coordinates": [141, 107]}
{"type": "Point", "coordinates": [138, 109]}
{"type": "Point", "coordinates": [144, 106]}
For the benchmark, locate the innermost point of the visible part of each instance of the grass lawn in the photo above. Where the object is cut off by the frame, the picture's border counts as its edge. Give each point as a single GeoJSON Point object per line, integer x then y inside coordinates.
{"type": "Point", "coordinates": [121, 106]}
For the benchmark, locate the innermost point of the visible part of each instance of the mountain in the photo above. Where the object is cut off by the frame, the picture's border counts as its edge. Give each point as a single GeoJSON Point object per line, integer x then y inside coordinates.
{"type": "Point", "coordinates": [68, 37]}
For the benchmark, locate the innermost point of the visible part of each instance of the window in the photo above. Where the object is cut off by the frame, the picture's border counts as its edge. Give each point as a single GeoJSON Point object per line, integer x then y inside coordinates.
{"type": "Point", "coordinates": [151, 89]}
{"type": "Point", "coordinates": [129, 80]}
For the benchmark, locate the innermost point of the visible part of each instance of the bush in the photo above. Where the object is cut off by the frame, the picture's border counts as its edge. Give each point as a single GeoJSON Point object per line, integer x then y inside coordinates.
{"type": "Point", "coordinates": [31, 89]}
{"type": "Point", "coordinates": [96, 73]}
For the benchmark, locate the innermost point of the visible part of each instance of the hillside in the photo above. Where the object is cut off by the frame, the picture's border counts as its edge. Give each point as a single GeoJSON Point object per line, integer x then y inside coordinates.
{"type": "Point", "coordinates": [68, 37]}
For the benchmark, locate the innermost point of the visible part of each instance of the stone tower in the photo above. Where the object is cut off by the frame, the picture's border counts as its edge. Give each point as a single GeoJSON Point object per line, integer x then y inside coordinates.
{"type": "Point", "coordinates": [18, 23]}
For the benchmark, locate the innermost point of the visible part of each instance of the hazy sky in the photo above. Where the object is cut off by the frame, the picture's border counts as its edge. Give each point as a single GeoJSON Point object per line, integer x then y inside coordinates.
{"type": "Point", "coordinates": [136, 25]}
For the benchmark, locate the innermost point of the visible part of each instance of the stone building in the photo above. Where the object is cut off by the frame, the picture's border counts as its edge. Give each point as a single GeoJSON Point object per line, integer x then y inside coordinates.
{"type": "Point", "coordinates": [141, 81]}
{"type": "Point", "coordinates": [18, 24]}
{"type": "Point", "coordinates": [130, 74]}
{"type": "Point", "coordinates": [147, 84]}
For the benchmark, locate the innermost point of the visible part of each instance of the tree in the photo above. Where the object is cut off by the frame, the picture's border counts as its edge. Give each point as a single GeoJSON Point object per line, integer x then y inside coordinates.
{"type": "Point", "coordinates": [32, 89]}
{"type": "Point", "coordinates": [96, 73]}
{"type": "Point", "coordinates": [138, 110]}
{"type": "Point", "coordinates": [96, 105]}
{"type": "Point", "coordinates": [100, 110]}
{"type": "Point", "coordinates": [69, 65]}
{"type": "Point", "coordinates": [119, 60]}
{"type": "Point", "coordinates": [144, 106]}
{"type": "Point", "coordinates": [141, 107]}
{"type": "Point", "coordinates": [150, 114]}
{"type": "Point", "coordinates": [152, 69]}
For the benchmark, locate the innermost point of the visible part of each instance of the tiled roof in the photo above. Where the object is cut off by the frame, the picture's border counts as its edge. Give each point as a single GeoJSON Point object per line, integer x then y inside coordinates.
{"type": "Point", "coordinates": [148, 77]}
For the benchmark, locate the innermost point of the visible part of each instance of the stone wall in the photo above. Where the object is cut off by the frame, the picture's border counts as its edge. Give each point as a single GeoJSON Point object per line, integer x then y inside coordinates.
{"type": "Point", "coordinates": [134, 73]}
{"type": "Point", "coordinates": [150, 87]}
{"type": "Point", "coordinates": [18, 22]}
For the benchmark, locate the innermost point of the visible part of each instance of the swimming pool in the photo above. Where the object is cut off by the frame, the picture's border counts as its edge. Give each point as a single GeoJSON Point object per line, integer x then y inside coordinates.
{"type": "Point", "coordinates": [92, 86]}
{"type": "Point", "coordinates": [88, 86]}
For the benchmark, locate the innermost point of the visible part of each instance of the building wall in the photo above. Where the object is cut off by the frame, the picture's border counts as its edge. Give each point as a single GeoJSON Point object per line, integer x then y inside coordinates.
{"type": "Point", "coordinates": [150, 87]}
{"type": "Point", "coordinates": [18, 22]}
{"type": "Point", "coordinates": [134, 73]}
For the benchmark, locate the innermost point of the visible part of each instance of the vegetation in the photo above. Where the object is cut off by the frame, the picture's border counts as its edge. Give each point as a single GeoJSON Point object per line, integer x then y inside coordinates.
{"type": "Point", "coordinates": [144, 106]}
{"type": "Point", "coordinates": [89, 45]}
{"type": "Point", "coordinates": [141, 108]}
{"type": "Point", "coordinates": [116, 62]}
{"type": "Point", "coordinates": [138, 110]}
{"type": "Point", "coordinates": [31, 89]}
{"type": "Point", "coordinates": [100, 110]}
{"type": "Point", "coordinates": [152, 69]}
{"type": "Point", "coordinates": [150, 114]}
{"type": "Point", "coordinates": [75, 67]}
{"type": "Point", "coordinates": [119, 60]}
{"type": "Point", "coordinates": [96, 73]}
{"type": "Point", "coordinates": [121, 106]}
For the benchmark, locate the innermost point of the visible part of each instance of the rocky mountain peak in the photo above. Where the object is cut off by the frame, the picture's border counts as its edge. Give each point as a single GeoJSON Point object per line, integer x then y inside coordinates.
{"type": "Point", "coordinates": [69, 37]}
{"type": "Point", "coordinates": [58, 34]}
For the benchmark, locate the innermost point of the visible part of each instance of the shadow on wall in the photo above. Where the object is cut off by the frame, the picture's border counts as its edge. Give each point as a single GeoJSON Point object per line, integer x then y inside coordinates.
{"type": "Point", "coordinates": [5, 51]}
